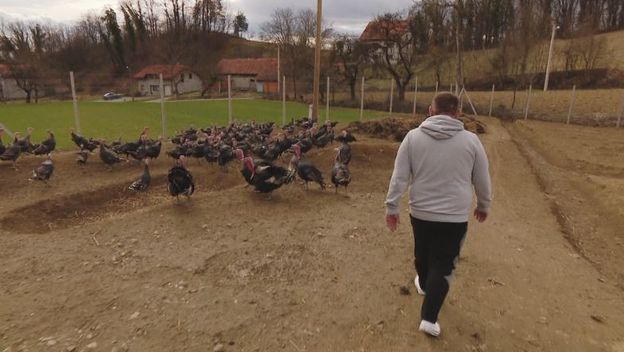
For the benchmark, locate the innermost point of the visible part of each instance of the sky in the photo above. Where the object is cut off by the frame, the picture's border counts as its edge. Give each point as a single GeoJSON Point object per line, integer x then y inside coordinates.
{"type": "Point", "coordinates": [342, 15]}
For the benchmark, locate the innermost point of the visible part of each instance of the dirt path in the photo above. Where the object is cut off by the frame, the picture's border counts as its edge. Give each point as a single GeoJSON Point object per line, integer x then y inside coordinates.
{"type": "Point", "coordinates": [305, 271]}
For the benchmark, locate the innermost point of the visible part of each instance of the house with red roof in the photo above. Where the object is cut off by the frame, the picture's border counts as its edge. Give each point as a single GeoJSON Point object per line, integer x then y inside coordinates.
{"type": "Point", "coordinates": [256, 74]}
{"type": "Point", "coordinates": [384, 34]}
{"type": "Point", "coordinates": [177, 79]}
{"type": "Point", "coordinates": [9, 90]}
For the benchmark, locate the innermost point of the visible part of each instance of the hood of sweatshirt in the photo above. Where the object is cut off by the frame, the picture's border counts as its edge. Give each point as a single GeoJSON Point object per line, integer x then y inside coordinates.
{"type": "Point", "coordinates": [441, 126]}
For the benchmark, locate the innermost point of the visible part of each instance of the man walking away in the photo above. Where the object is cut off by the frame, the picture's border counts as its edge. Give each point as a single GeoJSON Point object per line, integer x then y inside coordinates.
{"type": "Point", "coordinates": [440, 162]}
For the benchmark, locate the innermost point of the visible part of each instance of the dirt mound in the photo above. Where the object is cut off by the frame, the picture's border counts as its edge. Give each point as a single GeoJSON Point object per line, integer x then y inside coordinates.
{"type": "Point", "coordinates": [396, 128]}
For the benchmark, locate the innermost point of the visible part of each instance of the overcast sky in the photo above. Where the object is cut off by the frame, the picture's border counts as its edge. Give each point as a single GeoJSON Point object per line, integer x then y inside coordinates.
{"type": "Point", "coordinates": [343, 15]}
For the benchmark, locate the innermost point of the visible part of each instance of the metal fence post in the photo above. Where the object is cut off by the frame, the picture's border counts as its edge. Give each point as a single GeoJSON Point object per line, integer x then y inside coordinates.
{"type": "Point", "coordinates": [528, 102]}
{"type": "Point", "coordinates": [391, 94]}
{"type": "Point", "coordinates": [283, 100]}
{"type": "Point", "coordinates": [415, 93]}
{"type": "Point", "coordinates": [571, 104]}
{"type": "Point", "coordinates": [437, 85]}
{"type": "Point", "coordinates": [362, 100]}
{"type": "Point", "coordinates": [75, 101]}
{"type": "Point", "coordinates": [327, 101]}
{"type": "Point", "coordinates": [163, 116]}
{"type": "Point", "coordinates": [491, 100]}
{"type": "Point", "coordinates": [229, 99]}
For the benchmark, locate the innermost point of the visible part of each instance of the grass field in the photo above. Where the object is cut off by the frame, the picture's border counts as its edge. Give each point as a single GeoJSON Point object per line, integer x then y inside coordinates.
{"type": "Point", "coordinates": [112, 120]}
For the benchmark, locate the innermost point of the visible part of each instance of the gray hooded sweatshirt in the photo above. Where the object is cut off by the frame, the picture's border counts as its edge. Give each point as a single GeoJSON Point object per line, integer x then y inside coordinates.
{"type": "Point", "coordinates": [440, 162]}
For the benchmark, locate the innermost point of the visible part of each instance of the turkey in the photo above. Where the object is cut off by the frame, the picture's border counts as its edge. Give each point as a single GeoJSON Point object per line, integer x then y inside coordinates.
{"type": "Point", "coordinates": [226, 154]}
{"type": "Point", "coordinates": [179, 180]}
{"type": "Point", "coordinates": [344, 153]}
{"type": "Point", "coordinates": [2, 147]}
{"type": "Point", "coordinates": [152, 150]}
{"type": "Point", "coordinates": [340, 175]}
{"type": "Point", "coordinates": [82, 142]}
{"type": "Point", "coordinates": [24, 143]}
{"type": "Point", "coordinates": [12, 152]}
{"type": "Point", "coordinates": [47, 146]}
{"type": "Point", "coordinates": [346, 137]}
{"type": "Point", "coordinates": [82, 157]}
{"type": "Point", "coordinates": [109, 157]}
{"type": "Point", "coordinates": [44, 171]}
{"type": "Point", "coordinates": [306, 171]}
{"type": "Point", "coordinates": [263, 175]}
{"type": "Point", "coordinates": [143, 182]}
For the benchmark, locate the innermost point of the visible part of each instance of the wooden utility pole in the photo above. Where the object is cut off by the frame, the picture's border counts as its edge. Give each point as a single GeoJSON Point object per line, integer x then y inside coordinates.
{"type": "Point", "coordinates": [460, 59]}
{"type": "Point", "coordinates": [317, 60]}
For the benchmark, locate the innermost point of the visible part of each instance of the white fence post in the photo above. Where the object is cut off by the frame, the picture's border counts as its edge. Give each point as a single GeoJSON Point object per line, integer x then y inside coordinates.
{"type": "Point", "coordinates": [491, 100]}
{"type": "Point", "coordinates": [283, 100]}
{"type": "Point", "coordinates": [229, 99]}
{"type": "Point", "coordinates": [437, 85]}
{"type": "Point", "coordinates": [362, 100]}
{"type": "Point", "coordinates": [391, 94]}
{"type": "Point", "coordinates": [528, 102]}
{"type": "Point", "coordinates": [76, 113]}
{"type": "Point", "coordinates": [571, 104]}
{"type": "Point", "coordinates": [327, 101]}
{"type": "Point", "coordinates": [415, 93]}
{"type": "Point", "coordinates": [163, 116]}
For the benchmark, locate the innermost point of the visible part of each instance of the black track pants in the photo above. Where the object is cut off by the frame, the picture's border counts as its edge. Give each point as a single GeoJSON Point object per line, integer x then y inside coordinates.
{"type": "Point", "coordinates": [436, 250]}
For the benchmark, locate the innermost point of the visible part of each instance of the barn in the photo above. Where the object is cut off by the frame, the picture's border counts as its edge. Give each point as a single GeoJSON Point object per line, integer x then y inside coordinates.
{"type": "Point", "coordinates": [254, 75]}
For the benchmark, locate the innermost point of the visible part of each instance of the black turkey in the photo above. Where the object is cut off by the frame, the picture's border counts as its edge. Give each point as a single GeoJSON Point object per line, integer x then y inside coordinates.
{"type": "Point", "coordinates": [346, 137]}
{"type": "Point", "coordinates": [24, 143]}
{"type": "Point", "coordinates": [305, 170]}
{"type": "Point", "coordinates": [2, 147]}
{"type": "Point", "coordinates": [263, 175]}
{"type": "Point", "coordinates": [44, 171]}
{"type": "Point", "coordinates": [344, 153]}
{"type": "Point", "coordinates": [47, 146]}
{"type": "Point", "coordinates": [82, 157]}
{"type": "Point", "coordinates": [12, 152]}
{"type": "Point", "coordinates": [152, 150]}
{"type": "Point", "coordinates": [143, 182]}
{"type": "Point", "coordinates": [82, 142]}
{"type": "Point", "coordinates": [108, 156]}
{"type": "Point", "coordinates": [180, 180]}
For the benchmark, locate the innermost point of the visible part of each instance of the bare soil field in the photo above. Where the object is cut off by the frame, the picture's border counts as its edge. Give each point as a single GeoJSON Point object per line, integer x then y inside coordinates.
{"type": "Point", "coordinates": [88, 266]}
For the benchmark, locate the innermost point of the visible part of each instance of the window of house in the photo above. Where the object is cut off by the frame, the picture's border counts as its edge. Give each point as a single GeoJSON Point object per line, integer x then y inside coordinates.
{"type": "Point", "coordinates": [190, 75]}
{"type": "Point", "coordinates": [182, 77]}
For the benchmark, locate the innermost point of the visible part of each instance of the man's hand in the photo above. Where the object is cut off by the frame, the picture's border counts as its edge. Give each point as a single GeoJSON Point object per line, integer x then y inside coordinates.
{"type": "Point", "coordinates": [481, 216]}
{"type": "Point", "coordinates": [392, 221]}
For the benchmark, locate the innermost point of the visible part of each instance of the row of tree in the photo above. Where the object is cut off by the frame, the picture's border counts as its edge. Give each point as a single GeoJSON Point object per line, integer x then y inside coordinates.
{"type": "Point", "coordinates": [121, 40]}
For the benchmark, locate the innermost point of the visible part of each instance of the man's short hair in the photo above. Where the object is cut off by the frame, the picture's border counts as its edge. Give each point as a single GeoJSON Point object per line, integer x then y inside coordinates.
{"type": "Point", "coordinates": [446, 103]}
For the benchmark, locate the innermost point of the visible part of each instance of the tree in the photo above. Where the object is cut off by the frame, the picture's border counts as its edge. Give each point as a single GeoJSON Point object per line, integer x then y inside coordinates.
{"type": "Point", "coordinates": [240, 24]}
{"type": "Point", "coordinates": [350, 54]}
{"type": "Point", "coordinates": [110, 32]}
{"type": "Point", "coordinates": [397, 49]}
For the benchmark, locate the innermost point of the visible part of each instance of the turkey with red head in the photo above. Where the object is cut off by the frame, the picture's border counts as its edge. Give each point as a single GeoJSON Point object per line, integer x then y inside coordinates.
{"type": "Point", "coordinates": [265, 176]}
{"type": "Point", "coordinates": [305, 170]}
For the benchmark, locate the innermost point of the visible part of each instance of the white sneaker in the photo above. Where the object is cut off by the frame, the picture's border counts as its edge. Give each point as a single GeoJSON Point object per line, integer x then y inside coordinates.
{"type": "Point", "coordinates": [418, 289]}
{"type": "Point", "coordinates": [429, 328]}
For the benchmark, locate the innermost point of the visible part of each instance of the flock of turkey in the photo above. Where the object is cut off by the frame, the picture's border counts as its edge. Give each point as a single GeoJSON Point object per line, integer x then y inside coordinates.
{"type": "Point", "coordinates": [253, 144]}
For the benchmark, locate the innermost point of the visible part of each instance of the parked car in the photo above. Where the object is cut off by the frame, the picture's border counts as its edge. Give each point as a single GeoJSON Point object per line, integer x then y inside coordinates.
{"type": "Point", "coordinates": [111, 96]}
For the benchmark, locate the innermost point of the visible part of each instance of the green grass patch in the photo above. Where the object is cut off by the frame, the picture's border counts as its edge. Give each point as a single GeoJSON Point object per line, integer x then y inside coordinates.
{"type": "Point", "coordinates": [110, 120]}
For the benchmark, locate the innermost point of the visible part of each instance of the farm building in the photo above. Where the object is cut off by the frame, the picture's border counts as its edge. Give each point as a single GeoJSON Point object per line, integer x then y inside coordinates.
{"type": "Point", "coordinates": [174, 76]}
{"type": "Point", "coordinates": [259, 74]}
{"type": "Point", "coordinates": [377, 33]}
{"type": "Point", "coordinates": [9, 90]}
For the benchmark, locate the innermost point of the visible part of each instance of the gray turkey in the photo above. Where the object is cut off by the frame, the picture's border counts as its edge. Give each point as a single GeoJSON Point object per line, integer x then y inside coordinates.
{"type": "Point", "coordinates": [44, 171]}
{"type": "Point", "coordinates": [340, 175]}
{"type": "Point", "coordinates": [12, 152]}
{"type": "Point", "coordinates": [108, 156]}
{"type": "Point", "coordinates": [180, 180]}
{"type": "Point", "coordinates": [305, 170]}
{"type": "Point", "coordinates": [47, 146]}
{"type": "Point", "coordinates": [143, 182]}
{"type": "Point", "coordinates": [24, 143]}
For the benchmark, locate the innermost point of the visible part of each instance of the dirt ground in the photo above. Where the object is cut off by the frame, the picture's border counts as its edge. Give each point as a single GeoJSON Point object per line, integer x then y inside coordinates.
{"type": "Point", "coordinates": [88, 266]}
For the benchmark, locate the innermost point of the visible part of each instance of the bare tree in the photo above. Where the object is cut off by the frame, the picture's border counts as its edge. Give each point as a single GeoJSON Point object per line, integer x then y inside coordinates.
{"type": "Point", "coordinates": [350, 54]}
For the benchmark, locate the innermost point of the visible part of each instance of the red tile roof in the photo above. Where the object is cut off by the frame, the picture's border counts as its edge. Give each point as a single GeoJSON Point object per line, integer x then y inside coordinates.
{"type": "Point", "coordinates": [377, 30]}
{"type": "Point", "coordinates": [168, 71]}
{"type": "Point", "coordinates": [264, 69]}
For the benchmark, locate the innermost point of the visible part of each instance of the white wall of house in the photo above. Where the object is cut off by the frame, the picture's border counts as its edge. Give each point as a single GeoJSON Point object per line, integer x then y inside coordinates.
{"type": "Point", "coordinates": [9, 89]}
{"type": "Point", "coordinates": [151, 86]}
